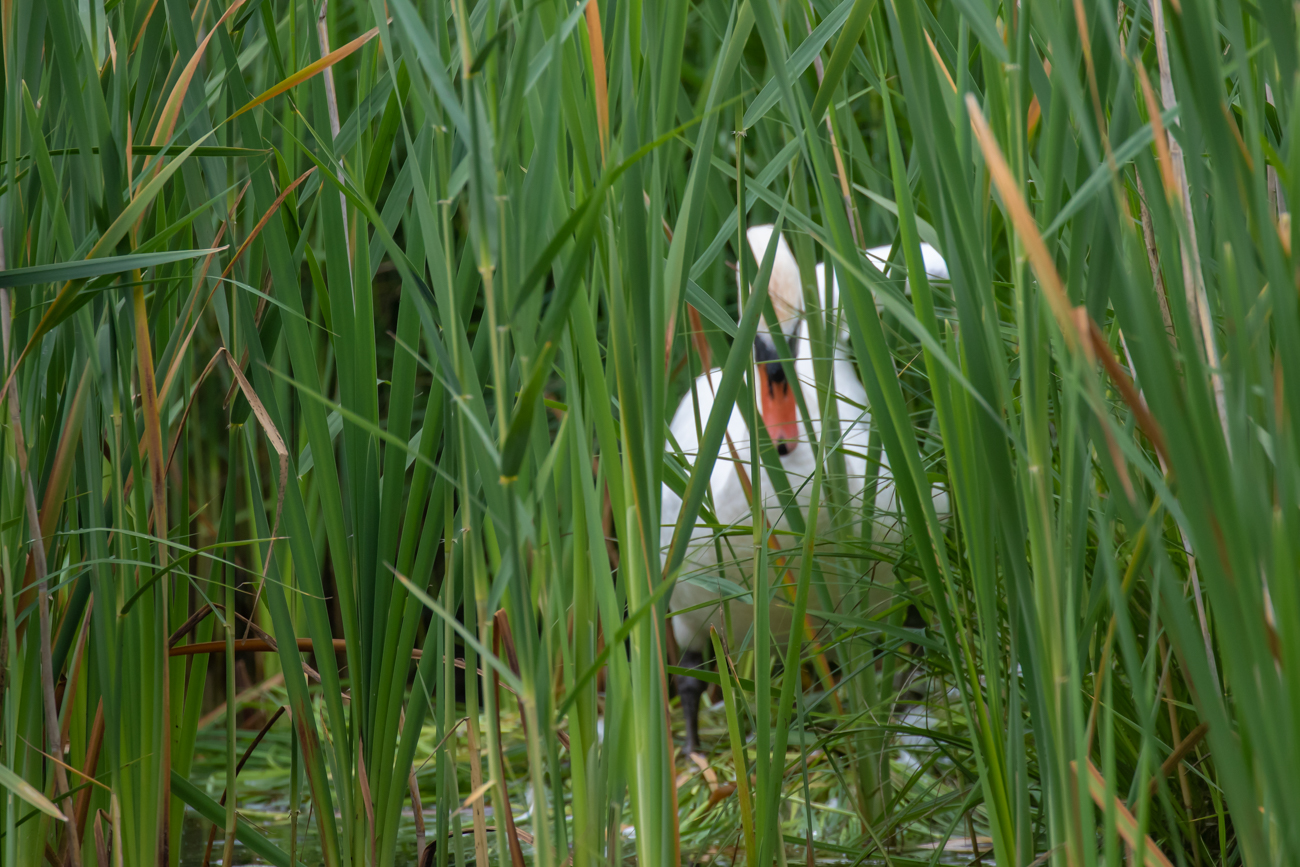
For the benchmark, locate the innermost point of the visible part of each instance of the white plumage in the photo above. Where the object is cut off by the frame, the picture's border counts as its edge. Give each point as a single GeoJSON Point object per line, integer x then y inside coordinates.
{"type": "Point", "coordinates": [698, 584]}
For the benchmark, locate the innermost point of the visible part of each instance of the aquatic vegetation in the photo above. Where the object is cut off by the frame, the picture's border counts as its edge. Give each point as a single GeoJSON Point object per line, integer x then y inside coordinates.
{"type": "Point", "coordinates": [340, 346]}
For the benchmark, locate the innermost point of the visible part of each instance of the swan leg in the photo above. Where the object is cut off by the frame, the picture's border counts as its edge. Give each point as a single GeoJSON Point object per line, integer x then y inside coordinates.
{"type": "Point", "coordinates": [690, 689]}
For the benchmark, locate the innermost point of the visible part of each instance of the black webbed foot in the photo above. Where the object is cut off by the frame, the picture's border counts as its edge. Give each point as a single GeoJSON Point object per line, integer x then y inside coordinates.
{"type": "Point", "coordinates": [690, 689]}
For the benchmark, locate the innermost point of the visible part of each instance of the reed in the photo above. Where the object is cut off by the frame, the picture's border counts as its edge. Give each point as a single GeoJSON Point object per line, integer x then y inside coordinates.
{"type": "Point", "coordinates": [339, 346]}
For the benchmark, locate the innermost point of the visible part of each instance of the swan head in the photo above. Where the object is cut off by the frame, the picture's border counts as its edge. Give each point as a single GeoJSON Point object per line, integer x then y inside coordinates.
{"type": "Point", "coordinates": [777, 403]}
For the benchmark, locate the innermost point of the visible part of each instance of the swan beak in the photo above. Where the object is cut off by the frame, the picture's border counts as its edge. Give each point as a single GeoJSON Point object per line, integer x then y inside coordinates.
{"type": "Point", "coordinates": [779, 409]}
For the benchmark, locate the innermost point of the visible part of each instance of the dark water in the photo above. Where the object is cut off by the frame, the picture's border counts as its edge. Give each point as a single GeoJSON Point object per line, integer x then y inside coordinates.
{"type": "Point", "coordinates": [194, 837]}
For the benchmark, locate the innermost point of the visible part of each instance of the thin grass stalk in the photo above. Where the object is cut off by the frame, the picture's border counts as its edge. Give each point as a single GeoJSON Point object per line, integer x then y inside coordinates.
{"type": "Point", "coordinates": [232, 783]}
{"type": "Point", "coordinates": [793, 654]}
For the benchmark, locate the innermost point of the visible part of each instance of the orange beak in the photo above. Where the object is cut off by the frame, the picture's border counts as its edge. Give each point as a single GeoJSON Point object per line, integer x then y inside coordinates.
{"type": "Point", "coordinates": [780, 411]}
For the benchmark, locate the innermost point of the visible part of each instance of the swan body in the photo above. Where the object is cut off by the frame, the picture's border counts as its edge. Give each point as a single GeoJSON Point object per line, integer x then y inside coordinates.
{"type": "Point", "coordinates": [719, 566]}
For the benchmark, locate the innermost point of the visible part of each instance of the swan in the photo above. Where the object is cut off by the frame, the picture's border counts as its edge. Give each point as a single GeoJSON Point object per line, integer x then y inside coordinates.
{"type": "Point", "coordinates": [698, 583]}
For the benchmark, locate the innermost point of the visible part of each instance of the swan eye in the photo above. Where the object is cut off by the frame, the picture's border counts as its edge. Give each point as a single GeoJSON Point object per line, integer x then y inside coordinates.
{"type": "Point", "coordinates": [766, 354]}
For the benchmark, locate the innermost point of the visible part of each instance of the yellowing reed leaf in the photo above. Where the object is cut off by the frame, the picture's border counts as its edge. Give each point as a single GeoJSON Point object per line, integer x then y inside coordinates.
{"type": "Point", "coordinates": [1027, 230]}
{"type": "Point", "coordinates": [1125, 822]}
{"type": "Point", "coordinates": [307, 72]}
{"type": "Point", "coordinates": [1165, 159]}
{"type": "Point", "coordinates": [172, 107]}
{"type": "Point", "coordinates": [596, 39]}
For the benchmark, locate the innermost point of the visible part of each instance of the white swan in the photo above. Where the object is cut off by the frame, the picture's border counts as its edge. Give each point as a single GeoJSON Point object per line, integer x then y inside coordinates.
{"type": "Point", "coordinates": [698, 584]}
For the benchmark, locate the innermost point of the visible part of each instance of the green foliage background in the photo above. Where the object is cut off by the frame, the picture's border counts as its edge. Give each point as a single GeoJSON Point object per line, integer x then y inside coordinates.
{"type": "Point", "coordinates": [363, 322]}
